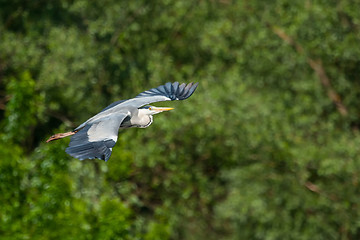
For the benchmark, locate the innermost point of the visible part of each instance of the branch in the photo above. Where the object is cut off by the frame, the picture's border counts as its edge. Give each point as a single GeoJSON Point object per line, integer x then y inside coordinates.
{"type": "Point", "coordinates": [316, 189]}
{"type": "Point", "coordinates": [318, 68]}
{"type": "Point", "coordinates": [312, 187]}
{"type": "Point", "coordinates": [3, 102]}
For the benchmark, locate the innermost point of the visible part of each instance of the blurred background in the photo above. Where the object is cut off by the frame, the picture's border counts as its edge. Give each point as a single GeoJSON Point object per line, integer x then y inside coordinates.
{"type": "Point", "coordinates": [266, 148]}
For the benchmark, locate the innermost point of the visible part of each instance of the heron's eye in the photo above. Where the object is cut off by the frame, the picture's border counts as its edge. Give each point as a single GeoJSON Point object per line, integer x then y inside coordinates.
{"type": "Point", "coordinates": [150, 108]}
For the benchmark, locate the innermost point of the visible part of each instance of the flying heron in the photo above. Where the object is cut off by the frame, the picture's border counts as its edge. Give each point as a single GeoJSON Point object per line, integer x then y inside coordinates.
{"type": "Point", "coordinates": [96, 137]}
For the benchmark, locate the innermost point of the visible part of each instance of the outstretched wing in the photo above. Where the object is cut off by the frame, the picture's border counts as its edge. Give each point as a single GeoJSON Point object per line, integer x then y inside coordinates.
{"type": "Point", "coordinates": [166, 92]}
{"type": "Point", "coordinates": [97, 138]}
{"type": "Point", "coordinates": [172, 91]}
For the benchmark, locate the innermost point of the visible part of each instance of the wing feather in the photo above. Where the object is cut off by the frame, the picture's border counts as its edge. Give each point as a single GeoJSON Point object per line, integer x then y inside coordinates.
{"type": "Point", "coordinates": [190, 90]}
{"type": "Point", "coordinates": [169, 88]}
{"type": "Point", "coordinates": [96, 139]}
{"type": "Point", "coordinates": [175, 87]}
{"type": "Point", "coordinates": [181, 89]}
{"type": "Point", "coordinates": [166, 92]}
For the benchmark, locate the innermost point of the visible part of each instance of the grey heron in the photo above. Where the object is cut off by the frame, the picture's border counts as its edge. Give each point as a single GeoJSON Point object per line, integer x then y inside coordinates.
{"type": "Point", "coordinates": [96, 137]}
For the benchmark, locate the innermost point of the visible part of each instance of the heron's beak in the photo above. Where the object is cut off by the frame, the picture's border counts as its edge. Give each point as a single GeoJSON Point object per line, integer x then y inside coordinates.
{"type": "Point", "coordinates": [162, 109]}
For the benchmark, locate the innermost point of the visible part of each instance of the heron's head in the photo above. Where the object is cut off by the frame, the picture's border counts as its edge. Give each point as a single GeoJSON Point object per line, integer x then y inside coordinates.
{"type": "Point", "coordinates": [151, 110]}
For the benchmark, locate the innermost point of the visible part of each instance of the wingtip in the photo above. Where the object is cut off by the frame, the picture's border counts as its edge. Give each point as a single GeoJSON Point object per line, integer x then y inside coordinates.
{"type": "Point", "coordinates": [195, 85]}
{"type": "Point", "coordinates": [190, 89]}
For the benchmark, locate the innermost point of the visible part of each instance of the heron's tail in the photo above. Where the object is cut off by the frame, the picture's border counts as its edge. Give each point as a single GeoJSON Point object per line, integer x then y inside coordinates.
{"type": "Point", "coordinates": [60, 135]}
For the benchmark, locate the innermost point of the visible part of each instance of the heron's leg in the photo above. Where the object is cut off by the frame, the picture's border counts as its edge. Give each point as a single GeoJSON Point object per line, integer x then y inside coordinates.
{"type": "Point", "coordinates": [60, 135]}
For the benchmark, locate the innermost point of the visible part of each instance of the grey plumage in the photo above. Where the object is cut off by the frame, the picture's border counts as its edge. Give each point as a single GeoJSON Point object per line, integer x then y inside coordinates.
{"type": "Point", "coordinates": [96, 137]}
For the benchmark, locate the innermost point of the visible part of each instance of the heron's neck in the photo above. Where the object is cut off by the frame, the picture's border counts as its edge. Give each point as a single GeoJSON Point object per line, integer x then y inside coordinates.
{"type": "Point", "coordinates": [149, 121]}
{"type": "Point", "coordinates": [142, 120]}
{"type": "Point", "coordinates": [139, 120]}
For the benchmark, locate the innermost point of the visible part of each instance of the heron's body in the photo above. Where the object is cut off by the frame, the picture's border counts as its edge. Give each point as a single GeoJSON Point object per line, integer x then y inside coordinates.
{"type": "Point", "coordinates": [96, 137]}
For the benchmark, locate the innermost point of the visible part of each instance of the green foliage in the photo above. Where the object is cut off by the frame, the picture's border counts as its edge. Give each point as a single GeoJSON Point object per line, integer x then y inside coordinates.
{"type": "Point", "coordinates": [157, 231]}
{"type": "Point", "coordinates": [266, 148]}
{"type": "Point", "coordinates": [12, 197]}
{"type": "Point", "coordinates": [21, 109]}
{"type": "Point", "coordinates": [113, 220]}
